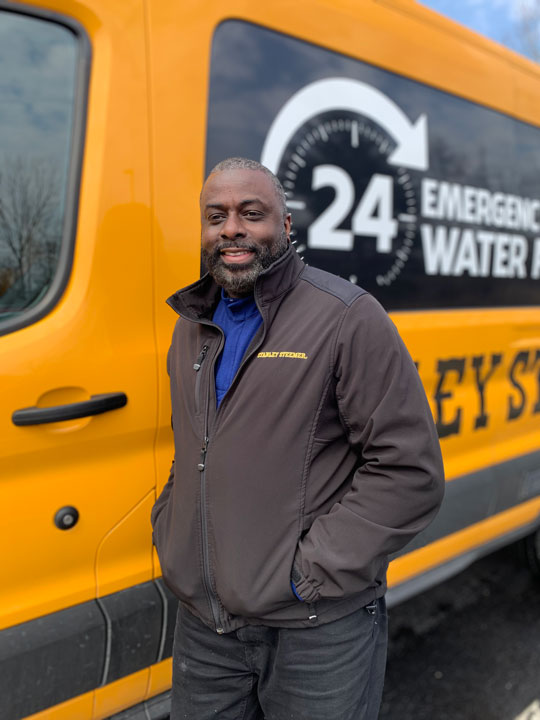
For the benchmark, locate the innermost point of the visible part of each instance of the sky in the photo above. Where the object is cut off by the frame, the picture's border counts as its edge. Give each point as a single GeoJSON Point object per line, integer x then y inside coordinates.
{"type": "Point", "coordinates": [497, 19]}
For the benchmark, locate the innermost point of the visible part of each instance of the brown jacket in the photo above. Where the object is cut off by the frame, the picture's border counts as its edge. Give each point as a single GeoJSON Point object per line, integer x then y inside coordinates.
{"type": "Point", "coordinates": [323, 455]}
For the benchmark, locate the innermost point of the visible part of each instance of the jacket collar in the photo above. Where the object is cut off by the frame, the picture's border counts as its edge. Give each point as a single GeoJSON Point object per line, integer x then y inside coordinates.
{"type": "Point", "coordinates": [198, 300]}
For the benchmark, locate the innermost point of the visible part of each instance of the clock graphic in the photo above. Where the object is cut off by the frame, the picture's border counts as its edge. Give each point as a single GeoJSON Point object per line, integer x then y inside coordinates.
{"type": "Point", "coordinates": [349, 182]}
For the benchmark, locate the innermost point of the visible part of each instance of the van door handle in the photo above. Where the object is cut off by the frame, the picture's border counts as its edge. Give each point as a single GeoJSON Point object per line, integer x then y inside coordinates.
{"type": "Point", "coordinates": [95, 406]}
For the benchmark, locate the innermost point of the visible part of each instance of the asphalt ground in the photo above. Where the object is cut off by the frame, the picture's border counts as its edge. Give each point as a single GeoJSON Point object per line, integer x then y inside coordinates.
{"type": "Point", "coordinates": [468, 649]}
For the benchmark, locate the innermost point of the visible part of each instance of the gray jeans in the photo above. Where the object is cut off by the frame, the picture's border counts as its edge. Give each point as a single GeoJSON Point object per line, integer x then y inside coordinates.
{"type": "Point", "coordinates": [330, 672]}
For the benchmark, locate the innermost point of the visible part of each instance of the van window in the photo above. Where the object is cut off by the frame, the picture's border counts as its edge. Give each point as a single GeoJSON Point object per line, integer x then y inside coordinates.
{"type": "Point", "coordinates": [424, 198]}
{"type": "Point", "coordinates": [38, 63]}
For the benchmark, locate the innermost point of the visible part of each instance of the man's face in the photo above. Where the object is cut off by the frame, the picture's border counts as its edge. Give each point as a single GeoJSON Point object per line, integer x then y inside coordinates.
{"type": "Point", "coordinates": [243, 230]}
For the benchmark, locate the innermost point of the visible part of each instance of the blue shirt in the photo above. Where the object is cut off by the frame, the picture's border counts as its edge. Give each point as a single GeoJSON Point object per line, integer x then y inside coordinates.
{"type": "Point", "coordinates": [239, 318]}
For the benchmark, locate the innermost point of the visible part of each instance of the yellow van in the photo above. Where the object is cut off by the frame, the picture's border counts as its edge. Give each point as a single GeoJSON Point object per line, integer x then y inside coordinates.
{"type": "Point", "coordinates": [409, 149]}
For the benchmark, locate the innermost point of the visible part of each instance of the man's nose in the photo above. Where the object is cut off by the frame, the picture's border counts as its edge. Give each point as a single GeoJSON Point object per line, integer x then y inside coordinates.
{"type": "Point", "coordinates": [232, 227]}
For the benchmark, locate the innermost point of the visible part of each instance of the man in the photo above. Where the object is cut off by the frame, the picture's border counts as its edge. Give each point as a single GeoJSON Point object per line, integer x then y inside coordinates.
{"type": "Point", "coordinates": [305, 455]}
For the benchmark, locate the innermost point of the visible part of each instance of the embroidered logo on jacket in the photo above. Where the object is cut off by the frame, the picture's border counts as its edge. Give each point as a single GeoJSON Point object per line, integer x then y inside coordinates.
{"type": "Point", "coordinates": [283, 354]}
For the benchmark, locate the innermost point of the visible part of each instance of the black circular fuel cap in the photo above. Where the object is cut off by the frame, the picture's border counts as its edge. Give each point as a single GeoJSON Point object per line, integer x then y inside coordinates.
{"type": "Point", "coordinates": [66, 518]}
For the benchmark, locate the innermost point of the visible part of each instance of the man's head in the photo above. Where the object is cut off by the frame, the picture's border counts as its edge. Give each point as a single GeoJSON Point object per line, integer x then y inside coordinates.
{"type": "Point", "coordinates": [244, 223]}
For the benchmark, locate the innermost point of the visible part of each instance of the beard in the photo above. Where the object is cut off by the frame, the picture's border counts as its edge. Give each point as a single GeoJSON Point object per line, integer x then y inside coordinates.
{"type": "Point", "coordinates": [239, 279]}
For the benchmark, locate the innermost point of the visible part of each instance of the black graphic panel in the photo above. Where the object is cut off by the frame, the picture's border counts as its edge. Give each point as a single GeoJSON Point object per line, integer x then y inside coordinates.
{"type": "Point", "coordinates": [423, 198]}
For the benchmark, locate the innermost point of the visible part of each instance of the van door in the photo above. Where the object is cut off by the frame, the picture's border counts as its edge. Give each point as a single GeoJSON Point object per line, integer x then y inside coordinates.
{"type": "Point", "coordinates": [79, 395]}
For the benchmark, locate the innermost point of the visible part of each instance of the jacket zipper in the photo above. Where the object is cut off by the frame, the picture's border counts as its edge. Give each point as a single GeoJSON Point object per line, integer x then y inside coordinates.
{"type": "Point", "coordinates": [197, 366]}
{"type": "Point", "coordinates": [201, 467]}
{"type": "Point", "coordinates": [312, 617]}
{"type": "Point", "coordinates": [200, 358]}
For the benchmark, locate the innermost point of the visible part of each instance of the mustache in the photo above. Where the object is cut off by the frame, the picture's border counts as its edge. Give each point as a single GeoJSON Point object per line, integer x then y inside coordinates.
{"type": "Point", "coordinates": [227, 244]}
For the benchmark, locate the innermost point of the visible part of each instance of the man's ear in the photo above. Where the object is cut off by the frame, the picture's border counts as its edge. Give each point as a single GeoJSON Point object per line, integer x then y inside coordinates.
{"type": "Point", "coordinates": [288, 224]}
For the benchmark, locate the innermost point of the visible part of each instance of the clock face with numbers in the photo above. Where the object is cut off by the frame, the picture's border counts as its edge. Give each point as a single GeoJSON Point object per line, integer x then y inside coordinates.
{"type": "Point", "coordinates": [354, 213]}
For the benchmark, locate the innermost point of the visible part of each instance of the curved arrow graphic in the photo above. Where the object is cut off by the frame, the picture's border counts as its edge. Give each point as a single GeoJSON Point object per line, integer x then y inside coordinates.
{"type": "Point", "coordinates": [356, 96]}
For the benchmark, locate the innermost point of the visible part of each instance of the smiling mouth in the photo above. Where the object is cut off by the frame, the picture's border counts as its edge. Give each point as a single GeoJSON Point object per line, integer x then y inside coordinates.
{"type": "Point", "coordinates": [232, 256]}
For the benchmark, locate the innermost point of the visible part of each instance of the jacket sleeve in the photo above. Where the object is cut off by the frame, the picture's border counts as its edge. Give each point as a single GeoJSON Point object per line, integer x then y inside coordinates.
{"type": "Point", "coordinates": [399, 483]}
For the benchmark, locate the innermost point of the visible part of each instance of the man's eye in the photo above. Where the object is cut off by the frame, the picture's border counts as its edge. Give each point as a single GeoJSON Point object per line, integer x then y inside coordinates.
{"type": "Point", "coordinates": [215, 217]}
{"type": "Point", "coordinates": [253, 214]}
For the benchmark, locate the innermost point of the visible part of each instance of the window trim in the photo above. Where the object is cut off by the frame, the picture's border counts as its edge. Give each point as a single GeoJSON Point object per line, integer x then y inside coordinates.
{"type": "Point", "coordinates": [75, 159]}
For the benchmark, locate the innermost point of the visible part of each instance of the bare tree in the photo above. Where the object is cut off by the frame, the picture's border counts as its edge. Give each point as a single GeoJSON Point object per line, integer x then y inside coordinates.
{"type": "Point", "coordinates": [7, 278]}
{"type": "Point", "coordinates": [29, 221]}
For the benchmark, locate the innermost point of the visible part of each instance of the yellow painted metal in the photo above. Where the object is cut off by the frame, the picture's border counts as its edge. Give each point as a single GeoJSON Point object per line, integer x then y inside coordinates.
{"type": "Point", "coordinates": [115, 696]}
{"type": "Point", "coordinates": [465, 334]}
{"type": "Point", "coordinates": [160, 678]}
{"type": "Point", "coordinates": [98, 339]}
{"type": "Point", "coordinates": [125, 551]}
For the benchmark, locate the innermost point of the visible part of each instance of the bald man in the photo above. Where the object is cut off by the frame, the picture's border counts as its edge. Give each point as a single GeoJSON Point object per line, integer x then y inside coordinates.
{"type": "Point", "coordinates": [305, 453]}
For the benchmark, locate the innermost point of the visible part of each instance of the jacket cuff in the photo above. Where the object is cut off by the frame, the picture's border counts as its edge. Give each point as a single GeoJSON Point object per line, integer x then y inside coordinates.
{"type": "Point", "coordinates": [295, 591]}
{"type": "Point", "coordinates": [303, 586]}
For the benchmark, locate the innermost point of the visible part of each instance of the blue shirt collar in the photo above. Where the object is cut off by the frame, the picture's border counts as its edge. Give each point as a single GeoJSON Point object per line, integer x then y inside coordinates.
{"type": "Point", "coordinates": [241, 307]}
